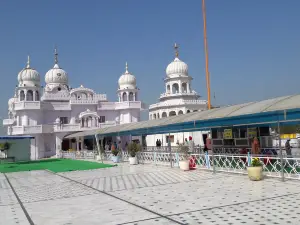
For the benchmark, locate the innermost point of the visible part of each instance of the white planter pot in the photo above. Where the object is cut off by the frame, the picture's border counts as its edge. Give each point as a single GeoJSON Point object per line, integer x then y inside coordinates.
{"type": "Point", "coordinates": [184, 165]}
{"type": "Point", "coordinates": [133, 160]}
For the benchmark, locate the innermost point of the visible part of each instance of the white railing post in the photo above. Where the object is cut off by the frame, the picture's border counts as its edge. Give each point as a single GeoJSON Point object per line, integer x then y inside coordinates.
{"type": "Point", "coordinates": [281, 156]}
{"type": "Point", "coordinates": [249, 159]}
{"type": "Point", "coordinates": [207, 160]}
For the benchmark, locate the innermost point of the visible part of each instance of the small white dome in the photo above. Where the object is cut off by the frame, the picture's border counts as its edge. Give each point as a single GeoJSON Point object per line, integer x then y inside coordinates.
{"type": "Point", "coordinates": [11, 101]}
{"type": "Point", "coordinates": [177, 67]}
{"type": "Point", "coordinates": [29, 76]}
{"type": "Point", "coordinates": [127, 80]}
{"type": "Point", "coordinates": [56, 75]}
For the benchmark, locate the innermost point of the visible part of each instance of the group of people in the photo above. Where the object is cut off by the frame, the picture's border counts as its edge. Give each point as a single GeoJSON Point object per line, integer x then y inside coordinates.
{"type": "Point", "coordinates": [158, 143]}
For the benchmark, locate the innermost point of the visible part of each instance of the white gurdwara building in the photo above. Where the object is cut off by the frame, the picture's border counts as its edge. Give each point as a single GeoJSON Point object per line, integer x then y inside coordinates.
{"type": "Point", "coordinates": [51, 112]}
{"type": "Point", "coordinates": [179, 98]}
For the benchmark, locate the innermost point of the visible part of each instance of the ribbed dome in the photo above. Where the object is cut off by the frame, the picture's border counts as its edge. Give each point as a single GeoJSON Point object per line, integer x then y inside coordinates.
{"type": "Point", "coordinates": [127, 80]}
{"type": "Point", "coordinates": [177, 67]}
{"type": "Point", "coordinates": [11, 101]}
{"type": "Point", "coordinates": [29, 76]}
{"type": "Point", "coordinates": [56, 75]}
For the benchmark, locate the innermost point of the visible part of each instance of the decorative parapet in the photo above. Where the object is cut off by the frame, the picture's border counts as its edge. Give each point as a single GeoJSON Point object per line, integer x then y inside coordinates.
{"type": "Point", "coordinates": [7, 122]}
{"type": "Point", "coordinates": [88, 99]}
{"type": "Point", "coordinates": [165, 95]}
{"type": "Point", "coordinates": [120, 105]}
{"type": "Point", "coordinates": [55, 96]}
{"type": "Point", "coordinates": [27, 105]}
{"type": "Point", "coordinates": [180, 102]}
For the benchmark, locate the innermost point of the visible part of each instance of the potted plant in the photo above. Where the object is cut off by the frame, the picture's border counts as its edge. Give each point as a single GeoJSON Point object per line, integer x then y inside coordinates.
{"type": "Point", "coordinates": [133, 149]}
{"type": "Point", "coordinates": [5, 147]}
{"type": "Point", "coordinates": [184, 150]}
{"type": "Point", "coordinates": [115, 157]}
{"type": "Point", "coordinates": [255, 170]}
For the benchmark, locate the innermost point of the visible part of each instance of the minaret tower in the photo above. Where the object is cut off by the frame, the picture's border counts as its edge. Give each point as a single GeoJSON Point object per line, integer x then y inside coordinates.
{"type": "Point", "coordinates": [178, 81]}
{"type": "Point", "coordinates": [127, 90]}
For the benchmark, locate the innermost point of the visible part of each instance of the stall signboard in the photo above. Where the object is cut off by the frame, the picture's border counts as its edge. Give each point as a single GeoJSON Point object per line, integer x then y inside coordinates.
{"type": "Point", "coordinates": [252, 132]}
{"type": "Point", "coordinates": [227, 134]}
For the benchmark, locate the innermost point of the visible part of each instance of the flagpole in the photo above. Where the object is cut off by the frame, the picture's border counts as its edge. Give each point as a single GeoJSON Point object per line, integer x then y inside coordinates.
{"type": "Point", "coordinates": [206, 55]}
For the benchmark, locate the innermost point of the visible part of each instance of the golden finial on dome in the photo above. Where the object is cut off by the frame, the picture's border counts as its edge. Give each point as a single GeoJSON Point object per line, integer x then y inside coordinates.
{"type": "Point", "coordinates": [126, 68]}
{"type": "Point", "coordinates": [28, 62]}
{"type": "Point", "coordinates": [176, 50]}
{"type": "Point", "coordinates": [55, 55]}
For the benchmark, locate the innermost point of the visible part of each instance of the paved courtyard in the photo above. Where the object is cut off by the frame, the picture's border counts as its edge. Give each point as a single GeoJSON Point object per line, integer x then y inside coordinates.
{"type": "Point", "coordinates": [145, 194]}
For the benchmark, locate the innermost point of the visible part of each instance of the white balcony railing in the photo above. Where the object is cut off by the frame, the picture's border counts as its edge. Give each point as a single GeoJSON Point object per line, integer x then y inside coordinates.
{"type": "Point", "coordinates": [57, 97]}
{"type": "Point", "coordinates": [179, 102]}
{"type": "Point", "coordinates": [106, 106]}
{"type": "Point", "coordinates": [66, 127]}
{"type": "Point", "coordinates": [50, 128]}
{"type": "Point", "coordinates": [126, 105]}
{"type": "Point", "coordinates": [192, 93]}
{"type": "Point", "coordinates": [7, 122]}
{"type": "Point", "coordinates": [89, 100]}
{"type": "Point", "coordinates": [27, 105]}
{"type": "Point", "coordinates": [119, 105]}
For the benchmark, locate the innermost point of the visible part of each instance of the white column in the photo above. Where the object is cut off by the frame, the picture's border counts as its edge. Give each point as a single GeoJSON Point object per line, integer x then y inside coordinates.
{"type": "Point", "coordinates": [127, 95]}
{"type": "Point", "coordinates": [58, 141]}
{"type": "Point", "coordinates": [188, 87]}
{"type": "Point", "coordinates": [180, 86]}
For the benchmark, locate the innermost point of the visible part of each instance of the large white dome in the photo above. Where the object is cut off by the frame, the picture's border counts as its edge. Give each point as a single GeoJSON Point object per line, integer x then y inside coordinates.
{"type": "Point", "coordinates": [177, 67]}
{"type": "Point", "coordinates": [127, 80]}
{"type": "Point", "coordinates": [29, 76]}
{"type": "Point", "coordinates": [56, 75]}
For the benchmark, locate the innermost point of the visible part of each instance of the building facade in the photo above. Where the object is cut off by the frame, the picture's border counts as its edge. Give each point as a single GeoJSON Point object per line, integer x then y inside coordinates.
{"type": "Point", "coordinates": [51, 112]}
{"type": "Point", "coordinates": [178, 98]}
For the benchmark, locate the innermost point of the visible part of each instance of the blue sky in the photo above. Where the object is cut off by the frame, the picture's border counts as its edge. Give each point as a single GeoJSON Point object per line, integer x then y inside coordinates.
{"type": "Point", "coordinates": [254, 47]}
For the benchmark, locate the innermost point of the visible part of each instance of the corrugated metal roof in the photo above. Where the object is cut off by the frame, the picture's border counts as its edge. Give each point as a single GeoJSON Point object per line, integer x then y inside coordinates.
{"type": "Point", "coordinates": [275, 104]}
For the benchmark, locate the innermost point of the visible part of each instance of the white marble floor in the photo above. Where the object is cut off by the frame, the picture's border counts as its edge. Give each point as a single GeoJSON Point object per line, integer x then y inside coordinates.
{"type": "Point", "coordinates": [145, 194]}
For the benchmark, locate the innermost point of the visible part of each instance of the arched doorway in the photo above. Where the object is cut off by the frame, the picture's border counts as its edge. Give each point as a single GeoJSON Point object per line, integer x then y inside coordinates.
{"type": "Point", "coordinates": [172, 113]}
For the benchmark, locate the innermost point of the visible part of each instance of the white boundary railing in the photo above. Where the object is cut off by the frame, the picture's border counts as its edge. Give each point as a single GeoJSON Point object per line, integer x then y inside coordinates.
{"type": "Point", "coordinates": [272, 166]}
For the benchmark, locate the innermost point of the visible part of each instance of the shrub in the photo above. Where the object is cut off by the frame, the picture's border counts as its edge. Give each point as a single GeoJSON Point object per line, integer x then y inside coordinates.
{"type": "Point", "coordinates": [184, 150]}
{"type": "Point", "coordinates": [255, 162]}
{"type": "Point", "coordinates": [133, 148]}
{"type": "Point", "coordinates": [115, 152]}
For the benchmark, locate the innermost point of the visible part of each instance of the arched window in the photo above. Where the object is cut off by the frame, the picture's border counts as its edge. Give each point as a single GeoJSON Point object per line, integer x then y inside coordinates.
{"type": "Point", "coordinates": [154, 116]}
{"type": "Point", "coordinates": [83, 95]}
{"type": "Point", "coordinates": [131, 96]}
{"type": "Point", "coordinates": [175, 88]}
{"type": "Point", "coordinates": [37, 96]}
{"type": "Point", "coordinates": [195, 110]}
{"type": "Point", "coordinates": [29, 96]}
{"type": "Point", "coordinates": [22, 96]}
{"type": "Point", "coordinates": [168, 89]}
{"type": "Point", "coordinates": [180, 112]}
{"type": "Point", "coordinates": [164, 114]}
{"type": "Point", "coordinates": [172, 113]}
{"type": "Point", "coordinates": [188, 111]}
{"type": "Point", "coordinates": [157, 115]}
{"type": "Point", "coordinates": [124, 97]}
{"type": "Point", "coordinates": [184, 88]}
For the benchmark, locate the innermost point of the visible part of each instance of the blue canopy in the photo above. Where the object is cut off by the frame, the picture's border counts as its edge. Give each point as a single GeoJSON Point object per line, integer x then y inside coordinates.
{"type": "Point", "coordinates": [15, 137]}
